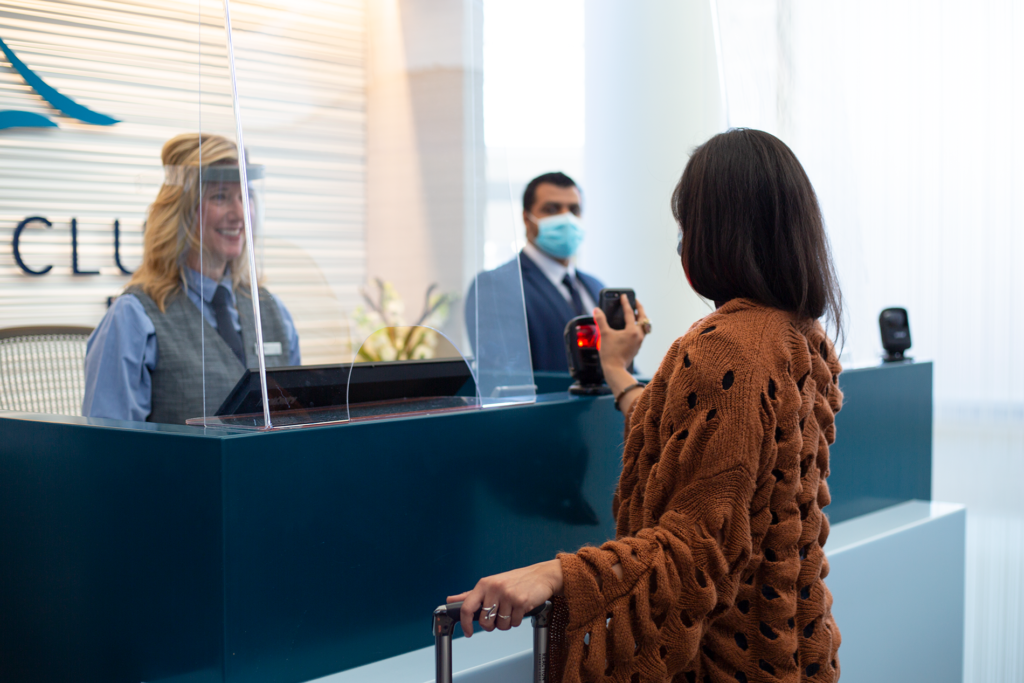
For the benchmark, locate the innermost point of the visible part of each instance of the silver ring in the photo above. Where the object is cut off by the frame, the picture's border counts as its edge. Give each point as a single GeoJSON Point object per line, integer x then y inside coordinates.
{"type": "Point", "coordinates": [489, 612]}
{"type": "Point", "coordinates": [502, 616]}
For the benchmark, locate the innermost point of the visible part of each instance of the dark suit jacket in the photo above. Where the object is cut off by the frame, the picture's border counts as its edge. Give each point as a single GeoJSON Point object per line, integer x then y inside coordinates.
{"type": "Point", "coordinates": [547, 311]}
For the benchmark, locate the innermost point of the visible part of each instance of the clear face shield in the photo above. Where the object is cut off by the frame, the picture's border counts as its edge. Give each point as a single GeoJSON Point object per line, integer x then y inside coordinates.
{"type": "Point", "coordinates": [212, 221]}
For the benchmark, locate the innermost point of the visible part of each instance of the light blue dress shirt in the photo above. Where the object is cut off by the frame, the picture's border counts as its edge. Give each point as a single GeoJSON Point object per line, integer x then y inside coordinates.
{"type": "Point", "coordinates": [122, 350]}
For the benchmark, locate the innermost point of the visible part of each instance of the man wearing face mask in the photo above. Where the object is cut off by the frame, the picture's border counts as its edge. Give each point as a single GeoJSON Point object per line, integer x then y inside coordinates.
{"type": "Point", "coordinates": [553, 290]}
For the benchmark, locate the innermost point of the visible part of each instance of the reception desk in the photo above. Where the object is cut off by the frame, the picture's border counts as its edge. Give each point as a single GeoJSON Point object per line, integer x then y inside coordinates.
{"type": "Point", "coordinates": [132, 552]}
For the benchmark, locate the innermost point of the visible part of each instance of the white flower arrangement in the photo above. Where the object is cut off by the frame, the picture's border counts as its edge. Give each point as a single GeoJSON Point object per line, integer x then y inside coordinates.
{"type": "Point", "coordinates": [387, 335]}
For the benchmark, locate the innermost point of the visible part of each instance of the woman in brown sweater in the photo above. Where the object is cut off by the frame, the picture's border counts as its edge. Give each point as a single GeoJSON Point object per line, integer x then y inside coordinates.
{"type": "Point", "coordinates": [716, 573]}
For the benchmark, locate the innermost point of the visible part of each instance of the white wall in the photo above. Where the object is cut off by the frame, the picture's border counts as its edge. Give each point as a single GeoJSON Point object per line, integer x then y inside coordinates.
{"type": "Point", "coordinates": [651, 95]}
{"type": "Point", "coordinates": [908, 129]}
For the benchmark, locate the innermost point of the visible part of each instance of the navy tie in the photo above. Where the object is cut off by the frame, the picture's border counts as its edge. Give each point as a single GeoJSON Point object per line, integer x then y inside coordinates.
{"type": "Point", "coordinates": [225, 328]}
{"type": "Point", "coordinates": [577, 300]}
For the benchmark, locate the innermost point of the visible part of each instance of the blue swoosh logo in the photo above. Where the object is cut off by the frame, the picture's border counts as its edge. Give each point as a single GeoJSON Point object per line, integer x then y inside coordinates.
{"type": "Point", "coordinates": [62, 103]}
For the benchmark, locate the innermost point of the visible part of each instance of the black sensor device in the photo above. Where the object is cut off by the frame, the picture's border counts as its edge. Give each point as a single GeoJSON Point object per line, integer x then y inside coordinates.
{"type": "Point", "coordinates": [582, 340]}
{"type": "Point", "coordinates": [610, 303]}
{"type": "Point", "coordinates": [895, 328]}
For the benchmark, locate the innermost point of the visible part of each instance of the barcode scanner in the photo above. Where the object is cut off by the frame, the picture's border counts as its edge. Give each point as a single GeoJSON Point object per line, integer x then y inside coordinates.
{"type": "Point", "coordinates": [582, 347]}
{"type": "Point", "coordinates": [895, 327]}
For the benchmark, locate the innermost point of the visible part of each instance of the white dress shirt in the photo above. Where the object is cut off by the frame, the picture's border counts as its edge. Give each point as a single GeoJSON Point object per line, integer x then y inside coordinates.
{"type": "Point", "coordinates": [556, 272]}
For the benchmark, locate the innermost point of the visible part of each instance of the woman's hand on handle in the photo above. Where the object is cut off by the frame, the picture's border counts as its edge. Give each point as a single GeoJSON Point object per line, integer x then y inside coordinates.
{"type": "Point", "coordinates": [619, 348]}
{"type": "Point", "coordinates": [515, 593]}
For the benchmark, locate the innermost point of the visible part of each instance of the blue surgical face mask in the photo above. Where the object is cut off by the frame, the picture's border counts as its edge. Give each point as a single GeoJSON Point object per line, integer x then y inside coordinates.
{"type": "Point", "coordinates": [679, 247]}
{"type": "Point", "coordinates": [560, 235]}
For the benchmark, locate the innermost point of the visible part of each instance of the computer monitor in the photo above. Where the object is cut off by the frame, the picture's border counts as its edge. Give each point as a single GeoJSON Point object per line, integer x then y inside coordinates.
{"type": "Point", "coordinates": [319, 387]}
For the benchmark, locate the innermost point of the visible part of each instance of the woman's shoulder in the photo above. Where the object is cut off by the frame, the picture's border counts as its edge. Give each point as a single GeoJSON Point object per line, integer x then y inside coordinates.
{"type": "Point", "coordinates": [124, 305]}
{"type": "Point", "coordinates": [270, 303]}
{"type": "Point", "coordinates": [739, 331]}
{"type": "Point", "coordinates": [746, 339]}
{"type": "Point", "coordinates": [753, 330]}
{"type": "Point", "coordinates": [745, 320]}
{"type": "Point", "coordinates": [125, 322]}
{"type": "Point", "coordinates": [769, 347]}
{"type": "Point", "coordinates": [715, 374]}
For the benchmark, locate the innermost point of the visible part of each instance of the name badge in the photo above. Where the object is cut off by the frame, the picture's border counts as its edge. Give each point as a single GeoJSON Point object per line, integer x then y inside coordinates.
{"type": "Point", "coordinates": [272, 348]}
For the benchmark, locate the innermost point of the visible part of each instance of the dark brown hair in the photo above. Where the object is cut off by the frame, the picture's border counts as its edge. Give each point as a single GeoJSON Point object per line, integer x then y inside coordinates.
{"type": "Point", "coordinates": [557, 178]}
{"type": "Point", "coordinates": [752, 227]}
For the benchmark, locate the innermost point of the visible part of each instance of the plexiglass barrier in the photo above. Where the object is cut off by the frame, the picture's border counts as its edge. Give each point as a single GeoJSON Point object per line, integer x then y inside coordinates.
{"type": "Point", "coordinates": [391, 236]}
{"type": "Point", "coordinates": [273, 186]}
{"type": "Point", "coordinates": [411, 370]}
{"type": "Point", "coordinates": [244, 328]}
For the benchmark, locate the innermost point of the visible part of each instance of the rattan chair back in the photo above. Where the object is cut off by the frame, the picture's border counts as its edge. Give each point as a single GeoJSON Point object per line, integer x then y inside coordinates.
{"type": "Point", "coordinates": [42, 369]}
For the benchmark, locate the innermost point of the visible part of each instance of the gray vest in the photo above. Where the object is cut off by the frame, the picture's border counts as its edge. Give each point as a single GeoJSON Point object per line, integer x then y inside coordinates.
{"type": "Point", "coordinates": [189, 349]}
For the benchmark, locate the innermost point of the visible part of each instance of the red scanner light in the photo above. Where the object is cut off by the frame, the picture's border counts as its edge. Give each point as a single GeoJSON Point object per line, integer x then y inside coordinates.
{"type": "Point", "coordinates": [588, 337]}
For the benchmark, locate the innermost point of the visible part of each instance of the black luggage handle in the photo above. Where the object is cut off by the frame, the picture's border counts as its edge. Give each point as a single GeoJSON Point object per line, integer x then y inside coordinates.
{"type": "Point", "coordinates": [445, 618]}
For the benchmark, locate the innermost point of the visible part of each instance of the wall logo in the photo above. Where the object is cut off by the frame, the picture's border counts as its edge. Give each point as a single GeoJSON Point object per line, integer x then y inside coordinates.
{"type": "Point", "coordinates": [63, 104]}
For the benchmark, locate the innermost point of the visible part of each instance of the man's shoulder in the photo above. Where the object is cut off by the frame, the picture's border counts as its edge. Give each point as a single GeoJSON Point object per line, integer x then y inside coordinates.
{"type": "Point", "coordinates": [498, 281]}
{"type": "Point", "coordinates": [520, 262]}
{"type": "Point", "coordinates": [590, 280]}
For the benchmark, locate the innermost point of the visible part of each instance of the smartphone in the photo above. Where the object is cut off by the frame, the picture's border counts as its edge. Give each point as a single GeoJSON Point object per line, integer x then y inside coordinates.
{"type": "Point", "coordinates": [611, 305]}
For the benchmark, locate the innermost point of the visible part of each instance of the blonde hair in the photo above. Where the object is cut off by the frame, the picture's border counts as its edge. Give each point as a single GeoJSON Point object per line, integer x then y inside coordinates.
{"type": "Point", "coordinates": [172, 228]}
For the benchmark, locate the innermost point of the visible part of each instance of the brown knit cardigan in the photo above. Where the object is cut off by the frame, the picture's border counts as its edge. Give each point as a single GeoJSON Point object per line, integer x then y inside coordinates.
{"type": "Point", "coordinates": [719, 510]}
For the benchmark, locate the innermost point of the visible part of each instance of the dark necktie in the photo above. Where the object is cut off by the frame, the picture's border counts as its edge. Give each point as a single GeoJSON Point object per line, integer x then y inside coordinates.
{"type": "Point", "coordinates": [577, 300]}
{"type": "Point", "coordinates": [225, 327]}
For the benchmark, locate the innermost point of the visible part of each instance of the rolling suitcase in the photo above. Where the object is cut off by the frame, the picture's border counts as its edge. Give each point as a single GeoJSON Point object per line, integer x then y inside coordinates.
{"type": "Point", "coordinates": [445, 618]}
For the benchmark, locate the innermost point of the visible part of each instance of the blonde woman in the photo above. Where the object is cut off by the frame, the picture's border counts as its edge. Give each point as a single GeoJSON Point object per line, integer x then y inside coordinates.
{"type": "Point", "coordinates": [183, 329]}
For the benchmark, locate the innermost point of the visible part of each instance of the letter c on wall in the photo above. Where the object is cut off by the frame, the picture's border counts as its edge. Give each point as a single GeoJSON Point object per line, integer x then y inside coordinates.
{"type": "Point", "coordinates": [17, 239]}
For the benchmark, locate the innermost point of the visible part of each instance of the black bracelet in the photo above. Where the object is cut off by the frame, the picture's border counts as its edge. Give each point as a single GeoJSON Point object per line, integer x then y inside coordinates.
{"type": "Point", "coordinates": [631, 387]}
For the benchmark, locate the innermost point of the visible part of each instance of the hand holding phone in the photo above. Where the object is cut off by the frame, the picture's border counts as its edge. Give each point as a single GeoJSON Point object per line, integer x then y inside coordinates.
{"type": "Point", "coordinates": [618, 345]}
{"type": "Point", "coordinates": [610, 303]}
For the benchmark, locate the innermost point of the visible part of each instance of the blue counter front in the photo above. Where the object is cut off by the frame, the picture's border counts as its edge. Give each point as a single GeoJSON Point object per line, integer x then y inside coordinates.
{"type": "Point", "coordinates": [136, 552]}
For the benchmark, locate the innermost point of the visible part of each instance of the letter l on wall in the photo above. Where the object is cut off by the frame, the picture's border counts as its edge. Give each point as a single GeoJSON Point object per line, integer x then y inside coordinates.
{"type": "Point", "coordinates": [74, 251]}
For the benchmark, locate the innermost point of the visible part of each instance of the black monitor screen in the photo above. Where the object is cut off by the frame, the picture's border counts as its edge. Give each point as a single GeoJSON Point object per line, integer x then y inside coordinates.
{"type": "Point", "coordinates": [324, 386]}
